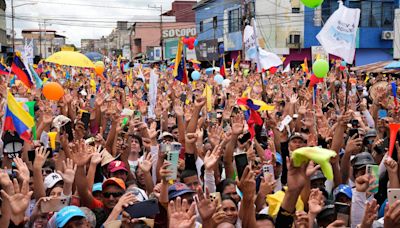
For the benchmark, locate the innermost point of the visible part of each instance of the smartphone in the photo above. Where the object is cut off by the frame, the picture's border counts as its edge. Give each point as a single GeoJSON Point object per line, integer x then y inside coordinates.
{"type": "Point", "coordinates": [86, 119]}
{"type": "Point", "coordinates": [50, 152]}
{"type": "Point", "coordinates": [173, 157]}
{"type": "Point", "coordinates": [373, 170]}
{"type": "Point", "coordinates": [241, 163]}
{"type": "Point", "coordinates": [245, 138]}
{"type": "Point", "coordinates": [216, 197]}
{"type": "Point", "coordinates": [286, 121]}
{"type": "Point", "coordinates": [92, 101]}
{"type": "Point", "coordinates": [227, 96]}
{"type": "Point", "coordinates": [68, 129]}
{"type": "Point", "coordinates": [393, 195]}
{"type": "Point", "coordinates": [268, 169]}
{"type": "Point", "coordinates": [147, 208]}
{"type": "Point", "coordinates": [382, 113]}
{"type": "Point", "coordinates": [354, 123]}
{"type": "Point", "coordinates": [352, 132]}
{"type": "Point", "coordinates": [342, 212]}
{"type": "Point", "coordinates": [137, 114]}
{"type": "Point", "coordinates": [183, 98]}
{"type": "Point", "coordinates": [31, 155]}
{"type": "Point", "coordinates": [53, 205]}
{"type": "Point", "coordinates": [212, 117]}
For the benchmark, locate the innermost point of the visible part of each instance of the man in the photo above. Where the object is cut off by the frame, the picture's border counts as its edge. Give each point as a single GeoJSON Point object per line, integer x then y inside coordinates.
{"type": "Point", "coordinates": [359, 162]}
{"type": "Point", "coordinates": [190, 178]}
{"type": "Point", "coordinates": [296, 141]}
{"type": "Point", "coordinates": [181, 190]}
{"type": "Point", "coordinates": [71, 217]}
{"type": "Point", "coordinates": [343, 194]}
{"type": "Point", "coordinates": [118, 169]}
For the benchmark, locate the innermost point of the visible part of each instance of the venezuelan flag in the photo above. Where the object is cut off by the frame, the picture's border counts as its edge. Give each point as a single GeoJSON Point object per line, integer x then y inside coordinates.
{"type": "Point", "coordinates": [222, 67]}
{"type": "Point", "coordinates": [19, 69]}
{"type": "Point", "coordinates": [3, 69]}
{"type": "Point", "coordinates": [17, 119]}
{"type": "Point", "coordinates": [180, 72]}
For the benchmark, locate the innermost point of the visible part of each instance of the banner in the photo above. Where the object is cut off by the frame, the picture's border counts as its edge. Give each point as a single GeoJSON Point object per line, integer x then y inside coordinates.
{"type": "Point", "coordinates": [318, 52]}
{"type": "Point", "coordinates": [152, 93]}
{"type": "Point", "coordinates": [338, 36]}
{"type": "Point", "coordinates": [250, 42]}
{"type": "Point", "coordinates": [207, 50]}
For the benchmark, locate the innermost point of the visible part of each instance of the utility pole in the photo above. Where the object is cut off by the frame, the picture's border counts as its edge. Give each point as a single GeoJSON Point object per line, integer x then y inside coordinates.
{"type": "Point", "coordinates": [40, 40]}
{"type": "Point", "coordinates": [12, 25]}
{"type": "Point", "coordinates": [161, 25]}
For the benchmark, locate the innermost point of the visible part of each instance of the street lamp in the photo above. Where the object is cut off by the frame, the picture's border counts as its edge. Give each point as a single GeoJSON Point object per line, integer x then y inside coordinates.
{"type": "Point", "coordinates": [12, 19]}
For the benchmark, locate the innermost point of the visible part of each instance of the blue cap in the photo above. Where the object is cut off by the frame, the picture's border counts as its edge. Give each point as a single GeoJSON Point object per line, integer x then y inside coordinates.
{"type": "Point", "coordinates": [67, 213]}
{"type": "Point", "coordinates": [178, 189]}
{"type": "Point", "coordinates": [345, 189]}
{"type": "Point", "coordinates": [279, 158]}
{"type": "Point", "coordinates": [97, 187]}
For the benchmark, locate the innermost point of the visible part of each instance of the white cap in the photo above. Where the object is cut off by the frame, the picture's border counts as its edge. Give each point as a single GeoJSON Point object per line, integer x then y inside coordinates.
{"type": "Point", "coordinates": [51, 180]}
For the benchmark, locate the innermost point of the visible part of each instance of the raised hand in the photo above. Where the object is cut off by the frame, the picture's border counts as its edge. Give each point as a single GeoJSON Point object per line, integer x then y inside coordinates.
{"type": "Point", "coordinates": [237, 125]}
{"type": "Point", "coordinates": [191, 138]}
{"type": "Point", "coordinates": [301, 219]}
{"type": "Point", "coordinates": [69, 171]}
{"type": "Point", "coordinates": [363, 182]}
{"type": "Point", "coordinates": [370, 214]}
{"type": "Point", "coordinates": [178, 110]}
{"type": "Point", "coordinates": [247, 183]}
{"type": "Point", "coordinates": [79, 153]}
{"type": "Point", "coordinates": [97, 157]}
{"type": "Point", "coordinates": [22, 169]}
{"type": "Point", "coordinates": [315, 201]}
{"type": "Point", "coordinates": [214, 134]}
{"type": "Point", "coordinates": [211, 158]}
{"type": "Point", "coordinates": [200, 102]}
{"type": "Point", "coordinates": [19, 201]}
{"type": "Point", "coordinates": [392, 215]}
{"type": "Point", "coordinates": [268, 184]}
{"type": "Point", "coordinates": [127, 199]}
{"type": "Point", "coordinates": [4, 178]}
{"type": "Point", "coordinates": [164, 172]}
{"type": "Point", "coordinates": [391, 165]}
{"type": "Point", "coordinates": [147, 163]}
{"type": "Point", "coordinates": [205, 207]}
{"type": "Point", "coordinates": [353, 144]}
{"type": "Point", "coordinates": [40, 157]}
{"type": "Point", "coordinates": [180, 214]}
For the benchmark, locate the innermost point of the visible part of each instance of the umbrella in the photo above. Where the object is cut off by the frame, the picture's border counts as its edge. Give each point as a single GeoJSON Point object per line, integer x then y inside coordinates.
{"type": "Point", "coordinates": [393, 65]}
{"type": "Point", "coordinates": [70, 58]}
{"type": "Point", "coordinates": [94, 56]}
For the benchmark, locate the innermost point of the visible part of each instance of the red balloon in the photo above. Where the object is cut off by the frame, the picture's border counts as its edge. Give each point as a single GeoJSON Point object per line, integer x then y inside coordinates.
{"type": "Point", "coordinates": [185, 40]}
{"type": "Point", "coordinates": [314, 80]}
{"type": "Point", "coordinates": [191, 46]}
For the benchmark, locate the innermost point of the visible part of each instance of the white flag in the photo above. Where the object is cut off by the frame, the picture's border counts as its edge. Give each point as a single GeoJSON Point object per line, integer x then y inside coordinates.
{"type": "Point", "coordinates": [268, 59]}
{"type": "Point", "coordinates": [338, 36]}
{"type": "Point", "coordinates": [152, 93]}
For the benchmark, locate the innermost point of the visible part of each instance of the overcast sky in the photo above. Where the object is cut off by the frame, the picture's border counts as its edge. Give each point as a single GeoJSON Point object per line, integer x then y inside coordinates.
{"type": "Point", "coordinates": [79, 19]}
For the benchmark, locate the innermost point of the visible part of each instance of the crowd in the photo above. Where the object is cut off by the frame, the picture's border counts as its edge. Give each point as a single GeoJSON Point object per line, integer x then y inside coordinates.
{"type": "Point", "coordinates": [192, 159]}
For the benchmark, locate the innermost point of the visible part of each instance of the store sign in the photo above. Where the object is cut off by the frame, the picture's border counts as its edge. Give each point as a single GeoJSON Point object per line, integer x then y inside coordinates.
{"type": "Point", "coordinates": [170, 33]}
{"type": "Point", "coordinates": [207, 50]}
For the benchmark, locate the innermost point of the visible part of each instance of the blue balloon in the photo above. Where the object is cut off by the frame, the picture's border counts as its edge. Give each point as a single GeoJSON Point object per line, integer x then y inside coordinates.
{"type": "Point", "coordinates": [209, 70]}
{"type": "Point", "coordinates": [195, 75]}
{"type": "Point", "coordinates": [196, 42]}
{"type": "Point", "coordinates": [219, 79]}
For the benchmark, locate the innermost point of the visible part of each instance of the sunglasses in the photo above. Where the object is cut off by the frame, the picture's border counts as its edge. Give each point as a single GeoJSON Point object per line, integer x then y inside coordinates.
{"type": "Point", "coordinates": [114, 194]}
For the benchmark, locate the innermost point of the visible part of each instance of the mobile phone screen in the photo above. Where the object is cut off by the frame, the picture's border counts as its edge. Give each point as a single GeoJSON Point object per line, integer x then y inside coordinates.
{"type": "Point", "coordinates": [86, 119]}
{"type": "Point", "coordinates": [241, 163]}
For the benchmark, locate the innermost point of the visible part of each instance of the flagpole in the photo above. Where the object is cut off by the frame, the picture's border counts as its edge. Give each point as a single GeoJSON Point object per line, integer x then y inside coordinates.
{"type": "Point", "coordinates": [347, 91]}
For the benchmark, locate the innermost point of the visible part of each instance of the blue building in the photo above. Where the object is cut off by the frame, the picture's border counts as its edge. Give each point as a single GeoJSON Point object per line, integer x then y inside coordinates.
{"type": "Point", "coordinates": [219, 26]}
{"type": "Point", "coordinates": [375, 34]}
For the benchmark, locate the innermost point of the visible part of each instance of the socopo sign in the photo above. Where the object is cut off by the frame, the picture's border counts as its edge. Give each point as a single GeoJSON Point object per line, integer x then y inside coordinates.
{"type": "Point", "coordinates": [170, 33]}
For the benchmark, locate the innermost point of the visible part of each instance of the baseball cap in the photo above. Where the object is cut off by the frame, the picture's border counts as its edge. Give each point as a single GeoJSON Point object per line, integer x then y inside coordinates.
{"type": "Point", "coordinates": [178, 189]}
{"type": "Point", "coordinates": [327, 210]}
{"type": "Point", "coordinates": [97, 187]}
{"type": "Point", "coordinates": [362, 159]}
{"type": "Point", "coordinates": [107, 158]}
{"type": "Point", "coordinates": [344, 189]}
{"type": "Point", "coordinates": [116, 165]}
{"type": "Point", "coordinates": [317, 175]}
{"type": "Point", "coordinates": [165, 134]}
{"type": "Point", "coordinates": [67, 213]}
{"type": "Point", "coordinates": [370, 133]}
{"type": "Point", "coordinates": [51, 180]}
{"type": "Point", "coordinates": [114, 181]}
{"type": "Point", "coordinates": [297, 135]}
{"type": "Point", "coordinates": [139, 193]}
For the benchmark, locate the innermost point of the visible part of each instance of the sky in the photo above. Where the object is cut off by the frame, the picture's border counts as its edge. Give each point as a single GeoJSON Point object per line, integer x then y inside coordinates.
{"type": "Point", "coordinates": [81, 19]}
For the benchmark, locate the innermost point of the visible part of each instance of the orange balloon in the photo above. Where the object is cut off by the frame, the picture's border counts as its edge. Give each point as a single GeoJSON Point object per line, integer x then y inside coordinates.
{"type": "Point", "coordinates": [99, 68]}
{"type": "Point", "coordinates": [53, 91]}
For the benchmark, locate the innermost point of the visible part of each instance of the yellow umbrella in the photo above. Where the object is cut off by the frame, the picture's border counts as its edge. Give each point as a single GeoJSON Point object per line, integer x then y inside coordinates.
{"type": "Point", "coordinates": [70, 58]}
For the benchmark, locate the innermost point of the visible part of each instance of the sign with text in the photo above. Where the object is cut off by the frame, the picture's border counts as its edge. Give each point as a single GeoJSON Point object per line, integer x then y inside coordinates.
{"type": "Point", "coordinates": [207, 50]}
{"type": "Point", "coordinates": [170, 33]}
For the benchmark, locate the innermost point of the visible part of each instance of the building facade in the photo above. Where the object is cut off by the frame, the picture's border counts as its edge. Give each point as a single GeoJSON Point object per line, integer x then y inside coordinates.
{"type": "Point", "coordinates": [375, 34]}
{"type": "Point", "coordinates": [3, 27]}
{"type": "Point", "coordinates": [45, 42]}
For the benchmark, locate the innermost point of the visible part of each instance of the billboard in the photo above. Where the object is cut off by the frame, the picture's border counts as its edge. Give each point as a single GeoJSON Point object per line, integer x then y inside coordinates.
{"type": "Point", "coordinates": [207, 50]}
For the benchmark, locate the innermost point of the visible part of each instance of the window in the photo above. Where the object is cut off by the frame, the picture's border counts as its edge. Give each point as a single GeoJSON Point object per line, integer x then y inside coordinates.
{"type": "Point", "coordinates": [328, 7]}
{"type": "Point", "coordinates": [294, 39]}
{"type": "Point", "coordinates": [215, 22]}
{"type": "Point", "coordinates": [234, 20]}
{"type": "Point", "coordinates": [376, 14]}
{"type": "Point", "coordinates": [201, 26]}
{"type": "Point", "coordinates": [295, 10]}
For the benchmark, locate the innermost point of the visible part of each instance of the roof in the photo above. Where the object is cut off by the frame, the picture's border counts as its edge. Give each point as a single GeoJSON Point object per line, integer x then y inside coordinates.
{"type": "Point", "coordinates": [377, 67]}
{"type": "Point", "coordinates": [201, 4]}
{"type": "Point", "coordinates": [37, 30]}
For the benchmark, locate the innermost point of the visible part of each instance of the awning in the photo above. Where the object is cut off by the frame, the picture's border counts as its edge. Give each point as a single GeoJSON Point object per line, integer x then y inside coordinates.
{"type": "Point", "coordinates": [393, 65]}
{"type": "Point", "coordinates": [377, 67]}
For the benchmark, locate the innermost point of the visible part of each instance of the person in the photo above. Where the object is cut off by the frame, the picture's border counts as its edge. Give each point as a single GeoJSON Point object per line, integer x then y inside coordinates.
{"type": "Point", "coordinates": [71, 217]}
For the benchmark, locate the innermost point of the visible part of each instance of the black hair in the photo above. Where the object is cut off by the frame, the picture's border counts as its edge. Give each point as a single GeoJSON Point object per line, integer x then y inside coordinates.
{"type": "Point", "coordinates": [227, 197]}
{"type": "Point", "coordinates": [188, 173]}
{"type": "Point", "coordinates": [264, 217]}
{"type": "Point", "coordinates": [223, 184]}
